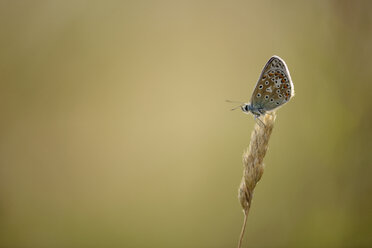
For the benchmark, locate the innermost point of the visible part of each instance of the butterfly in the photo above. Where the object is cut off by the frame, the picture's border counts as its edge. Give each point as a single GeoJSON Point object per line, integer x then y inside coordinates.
{"type": "Point", "coordinates": [273, 89]}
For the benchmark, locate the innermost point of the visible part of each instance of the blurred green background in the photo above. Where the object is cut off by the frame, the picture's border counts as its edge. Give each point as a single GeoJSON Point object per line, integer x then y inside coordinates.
{"type": "Point", "coordinates": [114, 131]}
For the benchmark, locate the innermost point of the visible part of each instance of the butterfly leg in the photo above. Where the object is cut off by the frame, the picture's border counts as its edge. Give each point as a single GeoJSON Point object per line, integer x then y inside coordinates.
{"type": "Point", "coordinates": [259, 121]}
{"type": "Point", "coordinates": [262, 111]}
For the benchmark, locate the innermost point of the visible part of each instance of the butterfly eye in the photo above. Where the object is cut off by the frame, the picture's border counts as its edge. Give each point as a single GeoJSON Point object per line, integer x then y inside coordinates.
{"type": "Point", "coordinates": [280, 96]}
{"type": "Point", "coordinates": [288, 91]}
{"type": "Point", "coordinates": [277, 91]}
{"type": "Point", "coordinates": [258, 95]}
{"type": "Point", "coordinates": [267, 82]}
{"type": "Point", "coordinates": [260, 87]}
{"type": "Point", "coordinates": [266, 97]}
{"type": "Point", "coordinates": [271, 100]}
{"type": "Point", "coordinates": [277, 103]}
{"type": "Point", "coordinates": [288, 85]}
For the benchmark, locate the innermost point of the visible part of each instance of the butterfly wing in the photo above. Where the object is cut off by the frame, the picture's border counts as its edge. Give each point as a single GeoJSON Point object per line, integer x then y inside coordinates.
{"type": "Point", "coordinates": [274, 86]}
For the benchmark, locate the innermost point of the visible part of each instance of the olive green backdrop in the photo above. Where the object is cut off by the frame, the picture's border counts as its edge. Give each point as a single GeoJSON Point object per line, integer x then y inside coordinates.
{"type": "Point", "coordinates": [114, 129]}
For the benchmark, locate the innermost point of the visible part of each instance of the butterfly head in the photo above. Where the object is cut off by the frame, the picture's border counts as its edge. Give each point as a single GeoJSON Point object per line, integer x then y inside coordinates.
{"type": "Point", "coordinates": [246, 108]}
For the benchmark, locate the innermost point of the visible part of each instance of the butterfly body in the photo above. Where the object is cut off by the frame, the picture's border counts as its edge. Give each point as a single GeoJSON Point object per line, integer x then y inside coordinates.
{"type": "Point", "coordinates": [255, 110]}
{"type": "Point", "coordinates": [273, 88]}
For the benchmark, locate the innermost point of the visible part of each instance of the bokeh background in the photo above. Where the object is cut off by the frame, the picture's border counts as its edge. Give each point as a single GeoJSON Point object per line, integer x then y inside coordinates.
{"type": "Point", "coordinates": [115, 132]}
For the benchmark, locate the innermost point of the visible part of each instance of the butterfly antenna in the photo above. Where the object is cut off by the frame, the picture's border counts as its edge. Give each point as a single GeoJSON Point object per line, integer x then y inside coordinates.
{"type": "Point", "coordinates": [237, 107]}
{"type": "Point", "coordinates": [234, 101]}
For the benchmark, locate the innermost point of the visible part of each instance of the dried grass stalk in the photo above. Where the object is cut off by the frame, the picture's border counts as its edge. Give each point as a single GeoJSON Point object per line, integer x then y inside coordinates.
{"type": "Point", "coordinates": [253, 164]}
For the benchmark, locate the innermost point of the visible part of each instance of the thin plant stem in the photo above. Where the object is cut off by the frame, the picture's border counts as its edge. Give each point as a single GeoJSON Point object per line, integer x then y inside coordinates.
{"type": "Point", "coordinates": [243, 229]}
{"type": "Point", "coordinates": [253, 165]}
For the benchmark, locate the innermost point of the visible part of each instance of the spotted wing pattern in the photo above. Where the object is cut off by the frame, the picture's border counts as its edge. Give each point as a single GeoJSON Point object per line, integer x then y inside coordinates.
{"type": "Point", "coordinates": [274, 87]}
